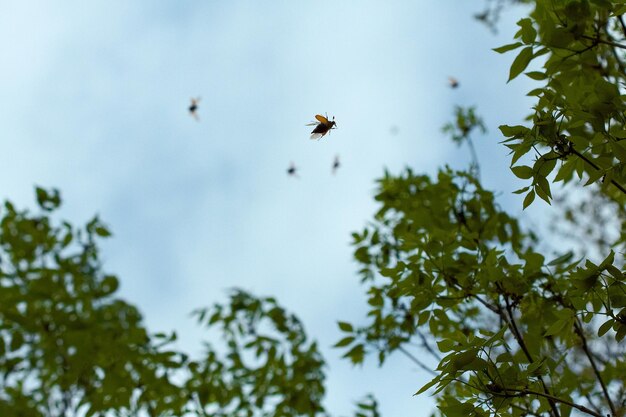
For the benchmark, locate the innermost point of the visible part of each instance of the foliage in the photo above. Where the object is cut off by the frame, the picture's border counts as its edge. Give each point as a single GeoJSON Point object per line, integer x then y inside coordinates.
{"type": "Point", "coordinates": [466, 121]}
{"type": "Point", "coordinates": [69, 347]}
{"type": "Point", "coordinates": [269, 368]}
{"type": "Point", "coordinates": [516, 330]}
{"type": "Point", "coordinates": [508, 327]}
{"type": "Point", "coordinates": [65, 342]}
{"type": "Point", "coordinates": [578, 124]}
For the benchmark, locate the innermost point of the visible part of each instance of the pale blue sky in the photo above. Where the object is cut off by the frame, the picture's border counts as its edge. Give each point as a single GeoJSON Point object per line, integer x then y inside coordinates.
{"type": "Point", "coordinates": [93, 99]}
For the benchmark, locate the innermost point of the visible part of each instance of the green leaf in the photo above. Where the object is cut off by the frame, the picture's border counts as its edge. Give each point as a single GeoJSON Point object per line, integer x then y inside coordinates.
{"type": "Point", "coordinates": [521, 190]}
{"type": "Point", "coordinates": [102, 231]}
{"type": "Point", "coordinates": [619, 151]}
{"type": "Point", "coordinates": [445, 345]}
{"type": "Point", "coordinates": [615, 272]}
{"type": "Point", "coordinates": [423, 318]}
{"type": "Point", "coordinates": [513, 131]}
{"type": "Point", "coordinates": [594, 176]}
{"type": "Point", "coordinates": [523, 172]}
{"type": "Point", "coordinates": [561, 259]}
{"type": "Point", "coordinates": [521, 62]}
{"type": "Point", "coordinates": [429, 384]}
{"type": "Point", "coordinates": [536, 75]}
{"type": "Point", "coordinates": [530, 197]}
{"type": "Point", "coordinates": [509, 47]}
{"type": "Point", "coordinates": [17, 340]}
{"type": "Point", "coordinates": [556, 327]}
{"type": "Point", "coordinates": [544, 165]}
{"type": "Point", "coordinates": [346, 327]}
{"type": "Point", "coordinates": [536, 92]}
{"type": "Point", "coordinates": [48, 200]}
{"type": "Point", "coordinates": [527, 31]}
{"type": "Point", "coordinates": [344, 342]}
{"type": "Point", "coordinates": [619, 10]}
{"type": "Point", "coordinates": [565, 171]}
{"type": "Point", "coordinates": [544, 186]}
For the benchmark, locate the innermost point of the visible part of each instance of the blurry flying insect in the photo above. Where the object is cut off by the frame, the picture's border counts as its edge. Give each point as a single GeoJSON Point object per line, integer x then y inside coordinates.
{"type": "Point", "coordinates": [292, 170]}
{"type": "Point", "coordinates": [454, 83]}
{"type": "Point", "coordinates": [336, 164]}
{"type": "Point", "coordinates": [322, 126]}
{"type": "Point", "coordinates": [193, 108]}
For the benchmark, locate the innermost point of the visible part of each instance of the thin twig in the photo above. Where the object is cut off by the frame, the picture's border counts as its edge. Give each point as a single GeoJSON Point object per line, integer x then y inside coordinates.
{"type": "Point", "coordinates": [590, 162]}
{"type": "Point", "coordinates": [474, 155]}
{"type": "Point", "coordinates": [427, 346]}
{"type": "Point", "coordinates": [591, 404]}
{"type": "Point", "coordinates": [525, 410]}
{"type": "Point", "coordinates": [579, 330]}
{"type": "Point", "coordinates": [520, 341]}
{"type": "Point", "coordinates": [550, 397]}
{"type": "Point", "coordinates": [621, 21]}
{"type": "Point", "coordinates": [604, 41]}
{"type": "Point", "coordinates": [417, 361]}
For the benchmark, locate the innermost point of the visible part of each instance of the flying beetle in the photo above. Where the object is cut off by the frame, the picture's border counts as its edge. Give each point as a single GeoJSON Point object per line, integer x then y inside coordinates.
{"type": "Point", "coordinates": [336, 164]}
{"type": "Point", "coordinates": [292, 171]}
{"type": "Point", "coordinates": [322, 126]}
{"type": "Point", "coordinates": [193, 108]}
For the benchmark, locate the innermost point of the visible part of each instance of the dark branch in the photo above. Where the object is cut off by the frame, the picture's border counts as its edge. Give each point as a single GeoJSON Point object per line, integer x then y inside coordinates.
{"type": "Point", "coordinates": [585, 346]}
{"type": "Point", "coordinates": [590, 162]}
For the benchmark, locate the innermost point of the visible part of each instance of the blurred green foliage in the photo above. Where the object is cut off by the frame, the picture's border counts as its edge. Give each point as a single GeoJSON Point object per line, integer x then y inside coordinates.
{"type": "Point", "coordinates": [69, 347]}
{"type": "Point", "coordinates": [504, 325]}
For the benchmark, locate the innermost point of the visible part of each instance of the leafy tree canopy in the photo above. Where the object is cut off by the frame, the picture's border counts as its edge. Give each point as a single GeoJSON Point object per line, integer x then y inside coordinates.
{"type": "Point", "coordinates": [508, 326]}
{"type": "Point", "coordinates": [515, 329]}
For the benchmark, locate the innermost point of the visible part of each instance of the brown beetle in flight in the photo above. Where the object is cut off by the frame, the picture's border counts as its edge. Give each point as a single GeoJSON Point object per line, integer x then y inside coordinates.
{"type": "Point", "coordinates": [322, 126]}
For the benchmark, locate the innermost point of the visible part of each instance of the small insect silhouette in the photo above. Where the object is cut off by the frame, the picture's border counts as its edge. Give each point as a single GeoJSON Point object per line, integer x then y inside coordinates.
{"type": "Point", "coordinates": [292, 170]}
{"type": "Point", "coordinates": [336, 164]}
{"type": "Point", "coordinates": [193, 108]}
{"type": "Point", "coordinates": [322, 126]}
{"type": "Point", "coordinates": [454, 83]}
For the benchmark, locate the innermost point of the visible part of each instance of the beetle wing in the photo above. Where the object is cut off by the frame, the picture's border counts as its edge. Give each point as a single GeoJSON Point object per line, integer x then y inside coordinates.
{"type": "Point", "coordinates": [321, 119]}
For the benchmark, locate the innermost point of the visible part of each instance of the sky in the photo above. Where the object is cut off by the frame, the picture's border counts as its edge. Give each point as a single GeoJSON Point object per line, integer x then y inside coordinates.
{"type": "Point", "coordinates": [93, 101]}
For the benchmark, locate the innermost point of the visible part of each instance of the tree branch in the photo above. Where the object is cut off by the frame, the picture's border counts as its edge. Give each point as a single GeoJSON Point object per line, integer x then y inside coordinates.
{"type": "Point", "coordinates": [590, 162]}
{"type": "Point", "coordinates": [621, 21]}
{"type": "Point", "coordinates": [474, 155]}
{"type": "Point", "coordinates": [525, 410]}
{"type": "Point", "coordinates": [427, 346]}
{"type": "Point", "coordinates": [604, 41]}
{"type": "Point", "coordinates": [417, 361]}
{"type": "Point", "coordinates": [552, 398]}
{"type": "Point", "coordinates": [520, 341]}
{"type": "Point", "coordinates": [585, 346]}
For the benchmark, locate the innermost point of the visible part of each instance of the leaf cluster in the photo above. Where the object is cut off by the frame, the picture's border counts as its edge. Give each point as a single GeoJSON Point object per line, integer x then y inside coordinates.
{"type": "Point", "coordinates": [578, 125]}
{"type": "Point", "coordinates": [70, 347]}
{"type": "Point", "coordinates": [448, 271]}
